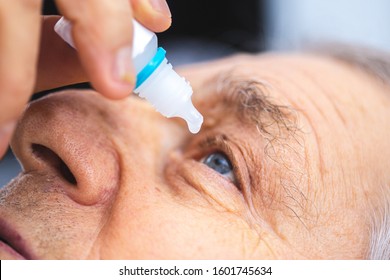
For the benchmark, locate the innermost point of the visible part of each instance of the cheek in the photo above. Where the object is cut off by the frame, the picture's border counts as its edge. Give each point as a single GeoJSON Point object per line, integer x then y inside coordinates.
{"type": "Point", "coordinates": [160, 226]}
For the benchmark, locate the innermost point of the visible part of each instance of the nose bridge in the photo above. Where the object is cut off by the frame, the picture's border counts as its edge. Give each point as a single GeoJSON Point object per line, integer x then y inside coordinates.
{"type": "Point", "coordinates": [145, 141]}
{"type": "Point", "coordinates": [145, 128]}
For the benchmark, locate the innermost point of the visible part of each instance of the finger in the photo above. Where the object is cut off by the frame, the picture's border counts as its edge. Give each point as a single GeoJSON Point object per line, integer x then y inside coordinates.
{"type": "Point", "coordinates": [58, 63]}
{"type": "Point", "coordinates": [153, 14]}
{"type": "Point", "coordinates": [19, 35]}
{"type": "Point", "coordinates": [102, 34]}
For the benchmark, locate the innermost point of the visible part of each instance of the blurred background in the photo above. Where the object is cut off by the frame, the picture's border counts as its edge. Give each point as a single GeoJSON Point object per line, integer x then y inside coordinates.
{"type": "Point", "coordinates": [209, 29]}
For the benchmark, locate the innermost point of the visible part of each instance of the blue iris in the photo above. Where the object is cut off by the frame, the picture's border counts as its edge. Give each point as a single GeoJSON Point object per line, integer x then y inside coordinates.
{"type": "Point", "coordinates": [219, 162]}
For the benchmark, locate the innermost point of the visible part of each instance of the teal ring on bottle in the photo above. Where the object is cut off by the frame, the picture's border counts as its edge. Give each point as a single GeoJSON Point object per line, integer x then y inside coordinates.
{"type": "Point", "coordinates": [151, 66]}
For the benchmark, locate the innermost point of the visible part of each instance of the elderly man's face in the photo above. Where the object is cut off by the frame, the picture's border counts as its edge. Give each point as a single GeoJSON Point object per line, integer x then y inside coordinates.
{"type": "Point", "coordinates": [287, 165]}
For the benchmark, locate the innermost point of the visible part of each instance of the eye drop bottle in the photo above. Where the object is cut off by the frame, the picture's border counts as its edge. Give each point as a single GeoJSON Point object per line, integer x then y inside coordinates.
{"type": "Point", "coordinates": [157, 82]}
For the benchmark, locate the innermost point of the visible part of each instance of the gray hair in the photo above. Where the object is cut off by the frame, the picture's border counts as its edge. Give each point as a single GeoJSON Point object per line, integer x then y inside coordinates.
{"type": "Point", "coordinates": [374, 62]}
{"type": "Point", "coordinates": [379, 247]}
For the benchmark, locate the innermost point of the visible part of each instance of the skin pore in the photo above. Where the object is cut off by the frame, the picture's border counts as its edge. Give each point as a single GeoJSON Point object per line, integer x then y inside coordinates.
{"type": "Point", "coordinates": [302, 139]}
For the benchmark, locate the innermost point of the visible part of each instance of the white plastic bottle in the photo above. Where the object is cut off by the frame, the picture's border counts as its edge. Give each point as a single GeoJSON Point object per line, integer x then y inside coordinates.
{"type": "Point", "coordinates": [157, 82]}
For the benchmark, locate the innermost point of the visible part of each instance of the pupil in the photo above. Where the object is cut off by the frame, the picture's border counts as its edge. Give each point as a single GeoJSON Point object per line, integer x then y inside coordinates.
{"type": "Point", "coordinates": [219, 163]}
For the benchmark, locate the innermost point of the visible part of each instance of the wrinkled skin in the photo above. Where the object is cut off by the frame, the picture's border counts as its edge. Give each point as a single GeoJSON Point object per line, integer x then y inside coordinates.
{"type": "Point", "coordinates": [139, 187]}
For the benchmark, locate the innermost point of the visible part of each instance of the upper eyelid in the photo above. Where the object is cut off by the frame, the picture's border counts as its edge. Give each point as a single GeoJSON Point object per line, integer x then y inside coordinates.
{"type": "Point", "coordinates": [213, 140]}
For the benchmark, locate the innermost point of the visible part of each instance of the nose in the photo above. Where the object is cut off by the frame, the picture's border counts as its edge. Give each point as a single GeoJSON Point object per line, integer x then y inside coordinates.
{"type": "Point", "coordinates": [60, 138]}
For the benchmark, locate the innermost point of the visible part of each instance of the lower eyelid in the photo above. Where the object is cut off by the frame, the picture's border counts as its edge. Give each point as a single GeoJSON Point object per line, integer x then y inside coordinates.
{"type": "Point", "coordinates": [206, 182]}
{"type": "Point", "coordinates": [210, 175]}
{"type": "Point", "coordinates": [220, 190]}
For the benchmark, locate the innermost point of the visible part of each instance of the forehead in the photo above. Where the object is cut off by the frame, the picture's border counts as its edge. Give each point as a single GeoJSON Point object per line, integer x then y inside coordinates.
{"type": "Point", "coordinates": [292, 73]}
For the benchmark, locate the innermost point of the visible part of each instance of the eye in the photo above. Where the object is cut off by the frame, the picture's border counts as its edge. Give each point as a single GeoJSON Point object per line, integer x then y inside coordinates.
{"type": "Point", "coordinates": [220, 163]}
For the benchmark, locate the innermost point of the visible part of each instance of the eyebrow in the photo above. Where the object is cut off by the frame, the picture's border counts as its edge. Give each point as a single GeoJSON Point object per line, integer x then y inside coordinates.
{"type": "Point", "coordinates": [251, 102]}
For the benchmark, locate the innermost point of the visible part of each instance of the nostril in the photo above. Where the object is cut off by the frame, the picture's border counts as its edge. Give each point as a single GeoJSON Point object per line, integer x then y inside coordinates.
{"type": "Point", "coordinates": [54, 161]}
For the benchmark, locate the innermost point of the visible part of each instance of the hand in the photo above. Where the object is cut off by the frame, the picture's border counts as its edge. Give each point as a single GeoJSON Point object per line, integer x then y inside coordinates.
{"type": "Point", "coordinates": [101, 30]}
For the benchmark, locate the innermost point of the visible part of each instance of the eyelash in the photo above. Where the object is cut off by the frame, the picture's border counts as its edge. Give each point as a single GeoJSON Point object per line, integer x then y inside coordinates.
{"type": "Point", "coordinates": [219, 143]}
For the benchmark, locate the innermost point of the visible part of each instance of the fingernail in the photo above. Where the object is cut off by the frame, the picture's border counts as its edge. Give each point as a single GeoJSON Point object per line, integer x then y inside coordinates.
{"type": "Point", "coordinates": [161, 6]}
{"type": "Point", "coordinates": [124, 70]}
